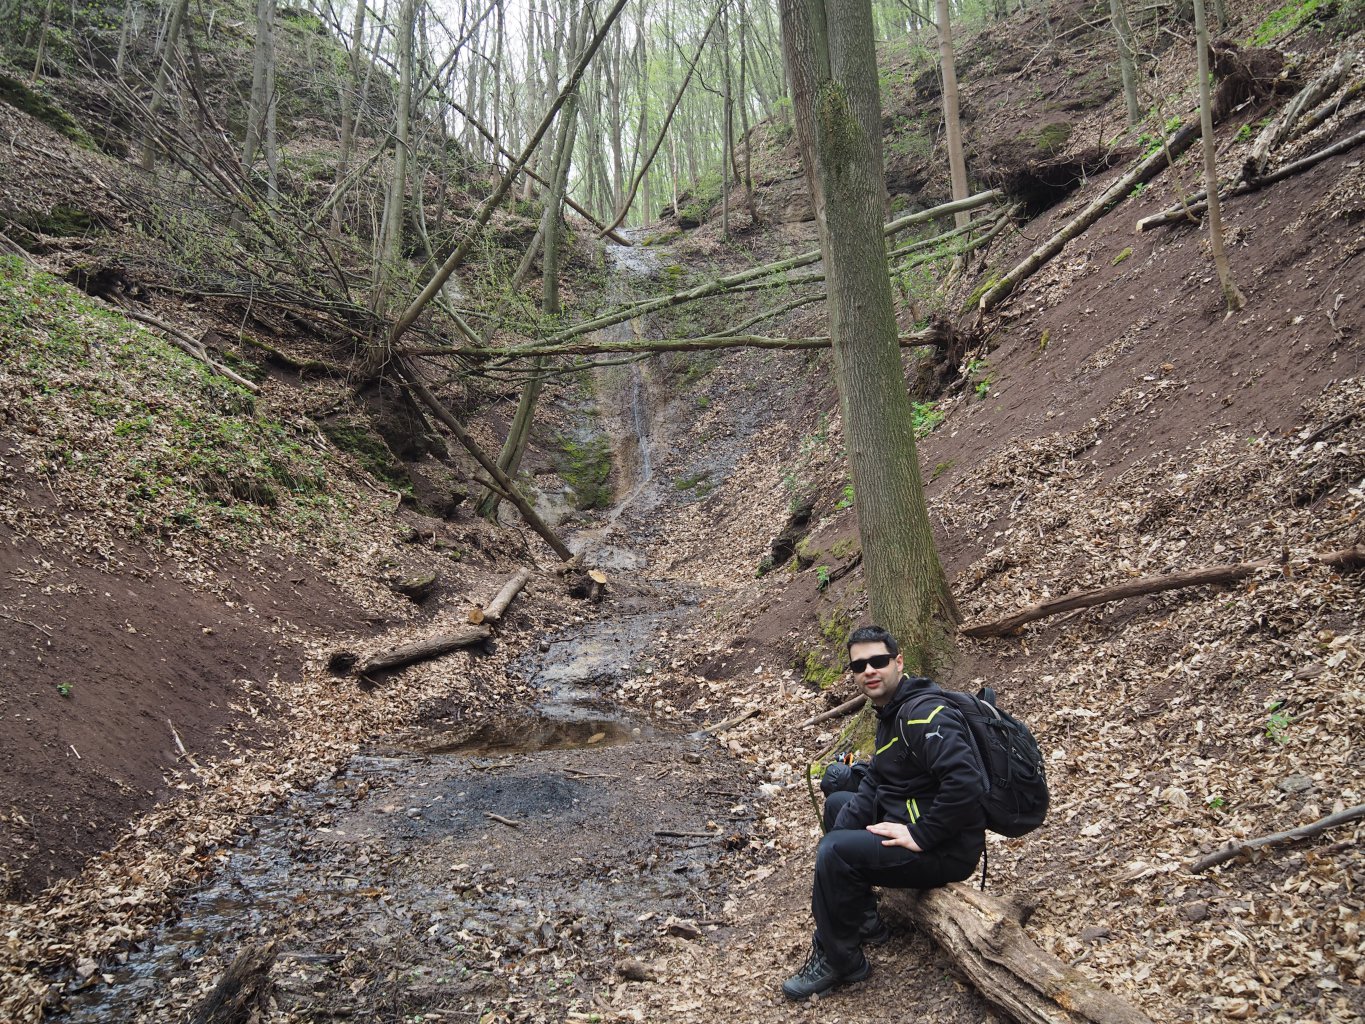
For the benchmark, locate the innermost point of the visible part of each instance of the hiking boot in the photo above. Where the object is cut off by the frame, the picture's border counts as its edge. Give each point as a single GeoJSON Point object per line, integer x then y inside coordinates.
{"type": "Point", "coordinates": [873, 931]}
{"type": "Point", "coordinates": [818, 975]}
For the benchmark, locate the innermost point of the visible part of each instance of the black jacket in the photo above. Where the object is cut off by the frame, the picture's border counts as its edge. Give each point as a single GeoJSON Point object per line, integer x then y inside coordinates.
{"type": "Point", "coordinates": [925, 772]}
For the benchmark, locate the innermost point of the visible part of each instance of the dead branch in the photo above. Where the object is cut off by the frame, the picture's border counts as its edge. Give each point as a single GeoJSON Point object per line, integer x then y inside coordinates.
{"type": "Point", "coordinates": [665, 834]}
{"type": "Point", "coordinates": [504, 821]}
{"type": "Point", "coordinates": [1198, 203]}
{"type": "Point", "coordinates": [1145, 171]}
{"type": "Point", "coordinates": [729, 723]}
{"type": "Point", "coordinates": [1236, 849]}
{"type": "Point", "coordinates": [985, 939]}
{"type": "Point", "coordinates": [188, 345]}
{"type": "Point", "coordinates": [533, 520]}
{"type": "Point", "coordinates": [846, 708]}
{"type": "Point", "coordinates": [1345, 560]}
{"type": "Point", "coordinates": [939, 335]}
{"type": "Point", "coordinates": [408, 654]}
{"type": "Point", "coordinates": [1273, 134]}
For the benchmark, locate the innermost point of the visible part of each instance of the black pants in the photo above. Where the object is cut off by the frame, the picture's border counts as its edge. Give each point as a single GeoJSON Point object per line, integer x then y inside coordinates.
{"type": "Point", "coordinates": [850, 862]}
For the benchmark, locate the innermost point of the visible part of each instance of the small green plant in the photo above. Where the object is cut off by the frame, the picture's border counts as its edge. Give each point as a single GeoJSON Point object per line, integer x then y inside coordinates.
{"type": "Point", "coordinates": [1277, 722]}
{"type": "Point", "coordinates": [845, 498]}
{"type": "Point", "coordinates": [924, 417]}
{"type": "Point", "coordinates": [1122, 256]}
{"type": "Point", "coordinates": [1044, 339]}
{"type": "Point", "coordinates": [1216, 803]}
{"type": "Point", "coordinates": [1138, 189]}
{"type": "Point", "coordinates": [982, 388]}
{"type": "Point", "coordinates": [821, 577]}
{"type": "Point", "coordinates": [940, 469]}
{"type": "Point", "coordinates": [64, 689]}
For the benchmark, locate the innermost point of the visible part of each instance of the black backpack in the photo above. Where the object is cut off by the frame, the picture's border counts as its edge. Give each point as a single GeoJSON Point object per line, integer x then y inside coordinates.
{"type": "Point", "coordinates": [1016, 797]}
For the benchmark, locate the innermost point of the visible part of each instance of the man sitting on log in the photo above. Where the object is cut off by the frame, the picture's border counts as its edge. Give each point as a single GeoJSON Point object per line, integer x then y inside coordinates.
{"type": "Point", "coordinates": [915, 822]}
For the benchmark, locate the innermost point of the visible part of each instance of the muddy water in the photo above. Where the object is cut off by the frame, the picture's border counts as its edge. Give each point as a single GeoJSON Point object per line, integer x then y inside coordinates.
{"type": "Point", "coordinates": [468, 866]}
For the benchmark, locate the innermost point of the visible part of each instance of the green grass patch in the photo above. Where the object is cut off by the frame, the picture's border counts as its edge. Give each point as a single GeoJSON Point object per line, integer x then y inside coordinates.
{"type": "Point", "coordinates": [134, 426]}
{"type": "Point", "coordinates": [1284, 20]}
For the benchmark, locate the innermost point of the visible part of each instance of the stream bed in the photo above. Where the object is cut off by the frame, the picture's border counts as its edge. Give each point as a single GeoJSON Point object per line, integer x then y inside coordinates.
{"type": "Point", "coordinates": [467, 866]}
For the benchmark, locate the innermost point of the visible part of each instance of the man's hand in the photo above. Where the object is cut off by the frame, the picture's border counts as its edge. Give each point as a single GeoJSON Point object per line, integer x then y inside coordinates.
{"type": "Point", "coordinates": [896, 835]}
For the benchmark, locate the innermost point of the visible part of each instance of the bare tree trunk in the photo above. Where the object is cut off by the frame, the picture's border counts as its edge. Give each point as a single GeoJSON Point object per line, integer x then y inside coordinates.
{"type": "Point", "coordinates": [833, 69]}
{"type": "Point", "coordinates": [386, 264]}
{"type": "Point", "coordinates": [749, 200]}
{"type": "Point", "coordinates": [957, 163]}
{"type": "Point", "coordinates": [257, 133]}
{"type": "Point", "coordinates": [42, 45]}
{"type": "Point", "coordinates": [163, 70]}
{"type": "Point", "coordinates": [1123, 34]}
{"type": "Point", "coordinates": [1232, 295]}
{"type": "Point", "coordinates": [350, 94]}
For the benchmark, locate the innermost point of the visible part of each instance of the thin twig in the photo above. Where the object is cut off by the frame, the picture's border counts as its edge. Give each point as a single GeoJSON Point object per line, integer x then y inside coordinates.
{"type": "Point", "coordinates": [504, 821]}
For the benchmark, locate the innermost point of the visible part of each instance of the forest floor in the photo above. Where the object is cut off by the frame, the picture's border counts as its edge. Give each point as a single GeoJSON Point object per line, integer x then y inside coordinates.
{"type": "Point", "coordinates": [533, 830]}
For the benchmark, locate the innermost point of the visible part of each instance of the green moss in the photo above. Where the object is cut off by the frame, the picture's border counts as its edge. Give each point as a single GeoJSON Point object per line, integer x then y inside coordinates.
{"type": "Point", "coordinates": [1051, 138]}
{"type": "Point", "coordinates": [844, 548]}
{"type": "Point", "coordinates": [357, 439]}
{"type": "Point", "coordinates": [585, 465]}
{"type": "Point", "coordinates": [41, 108]}
{"type": "Point", "coordinates": [940, 469]}
{"type": "Point", "coordinates": [817, 670]}
{"type": "Point", "coordinates": [1122, 256]}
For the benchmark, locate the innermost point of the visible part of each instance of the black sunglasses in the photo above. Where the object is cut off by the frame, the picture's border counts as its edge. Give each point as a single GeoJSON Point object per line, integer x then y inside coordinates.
{"type": "Point", "coordinates": [859, 665]}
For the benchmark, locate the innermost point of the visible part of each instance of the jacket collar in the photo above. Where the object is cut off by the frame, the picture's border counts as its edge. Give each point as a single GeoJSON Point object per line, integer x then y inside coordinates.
{"type": "Point", "coordinates": [908, 688]}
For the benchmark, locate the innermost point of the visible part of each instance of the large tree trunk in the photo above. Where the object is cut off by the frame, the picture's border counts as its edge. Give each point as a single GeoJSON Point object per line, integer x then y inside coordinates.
{"type": "Point", "coordinates": [386, 264]}
{"type": "Point", "coordinates": [833, 69]}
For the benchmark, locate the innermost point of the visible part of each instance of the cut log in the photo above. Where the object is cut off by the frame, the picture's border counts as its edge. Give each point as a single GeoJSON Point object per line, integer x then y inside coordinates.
{"type": "Point", "coordinates": [492, 611]}
{"type": "Point", "coordinates": [984, 938]}
{"type": "Point", "coordinates": [1293, 835]}
{"type": "Point", "coordinates": [1145, 171]}
{"type": "Point", "coordinates": [1273, 134]}
{"type": "Point", "coordinates": [1346, 560]}
{"type": "Point", "coordinates": [242, 992]}
{"type": "Point", "coordinates": [1198, 203]}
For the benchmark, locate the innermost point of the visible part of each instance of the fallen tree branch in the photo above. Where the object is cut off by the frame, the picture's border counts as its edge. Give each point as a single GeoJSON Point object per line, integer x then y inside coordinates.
{"type": "Point", "coordinates": [504, 821]}
{"type": "Point", "coordinates": [846, 708]}
{"type": "Point", "coordinates": [188, 345]}
{"type": "Point", "coordinates": [1237, 848]}
{"type": "Point", "coordinates": [1273, 134]}
{"type": "Point", "coordinates": [729, 723]}
{"type": "Point", "coordinates": [1345, 560]}
{"type": "Point", "coordinates": [533, 520]}
{"type": "Point", "coordinates": [408, 654]}
{"type": "Point", "coordinates": [1198, 203]}
{"type": "Point", "coordinates": [1145, 171]}
{"type": "Point", "coordinates": [984, 938]}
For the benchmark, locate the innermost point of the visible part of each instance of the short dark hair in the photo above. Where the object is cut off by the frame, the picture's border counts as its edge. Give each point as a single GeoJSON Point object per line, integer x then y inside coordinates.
{"type": "Point", "coordinates": [874, 635]}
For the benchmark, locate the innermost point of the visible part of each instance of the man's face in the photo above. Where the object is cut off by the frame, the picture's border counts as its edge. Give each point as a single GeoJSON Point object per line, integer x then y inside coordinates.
{"type": "Point", "coordinates": [877, 683]}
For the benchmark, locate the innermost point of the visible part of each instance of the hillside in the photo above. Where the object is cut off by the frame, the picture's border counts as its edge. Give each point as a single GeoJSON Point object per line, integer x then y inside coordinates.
{"type": "Point", "coordinates": [529, 830]}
